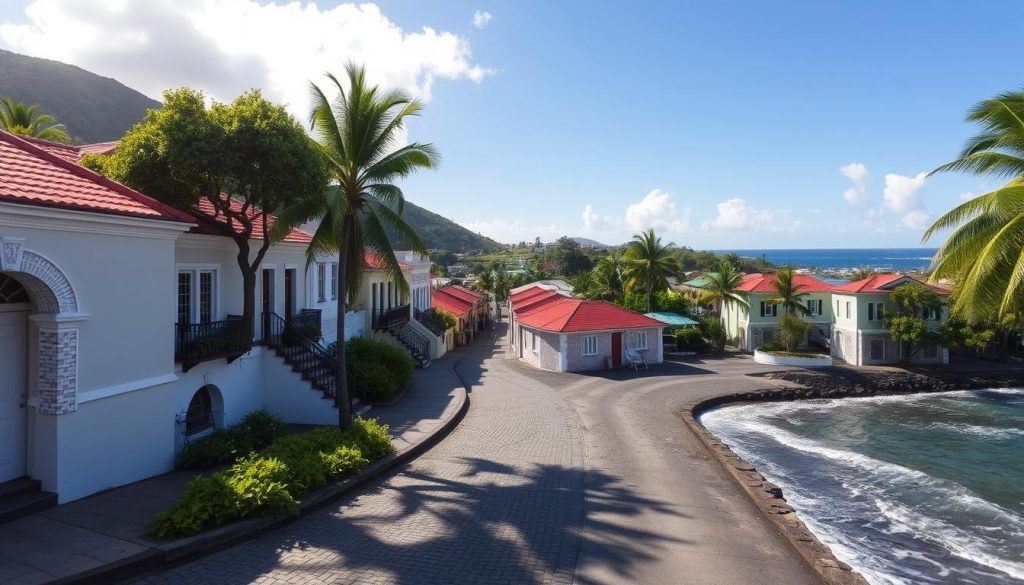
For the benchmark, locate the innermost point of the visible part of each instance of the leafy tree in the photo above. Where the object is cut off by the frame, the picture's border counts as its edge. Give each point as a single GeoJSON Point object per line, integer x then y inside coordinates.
{"type": "Point", "coordinates": [983, 253]}
{"type": "Point", "coordinates": [501, 285]}
{"type": "Point", "coordinates": [245, 160]}
{"type": "Point", "coordinates": [484, 281]}
{"type": "Point", "coordinates": [649, 264]}
{"type": "Point", "coordinates": [714, 333]}
{"type": "Point", "coordinates": [669, 300]}
{"type": "Point", "coordinates": [359, 135]}
{"type": "Point", "coordinates": [604, 282]}
{"type": "Point", "coordinates": [908, 327]}
{"type": "Point", "coordinates": [787, 293]}
{"type": "Point", "coordinates": [24, 120]}
{"type": "Point", "coordinates": [567, 257]}
{"type": "Point", "coordinates": [723, 285]}
{"type": "Point", "coordinates": [443, 257]}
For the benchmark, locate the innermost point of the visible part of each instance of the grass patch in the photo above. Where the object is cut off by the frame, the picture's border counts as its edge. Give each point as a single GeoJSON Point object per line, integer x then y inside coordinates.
{"type": "Point", "coordinates": [797, 354]}
{"type": "Point", "coordinates": [272, 481]}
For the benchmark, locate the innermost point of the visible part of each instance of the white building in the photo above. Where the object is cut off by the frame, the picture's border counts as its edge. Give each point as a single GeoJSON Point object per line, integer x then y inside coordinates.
{"type": "Point", "coordinates": [118, 335]}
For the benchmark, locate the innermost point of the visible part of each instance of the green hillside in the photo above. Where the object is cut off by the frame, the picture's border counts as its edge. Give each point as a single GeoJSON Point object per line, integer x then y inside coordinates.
{"type": "Point", "coordinates": [441, 233]}
{"type": "Point", "coordinates": [93, 108]}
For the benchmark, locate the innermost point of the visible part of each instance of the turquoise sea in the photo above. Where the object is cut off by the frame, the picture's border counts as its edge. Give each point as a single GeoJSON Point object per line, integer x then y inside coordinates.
{"type": "Point", "coordinates": [918, 489]}
{"type": "Point", "coordinates": [893, 259]}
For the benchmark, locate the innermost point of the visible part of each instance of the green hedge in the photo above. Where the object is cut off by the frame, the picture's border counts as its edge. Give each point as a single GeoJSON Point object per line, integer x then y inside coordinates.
{"type": "Point", "coordinates": [378, 369]}
{"type": "Point", "coordinates": [256, 431]}
{"type": "Point", "coordinates": [272, 481]}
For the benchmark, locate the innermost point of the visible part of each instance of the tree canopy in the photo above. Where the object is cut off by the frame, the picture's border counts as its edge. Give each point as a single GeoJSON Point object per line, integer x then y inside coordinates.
{"type": "Point", "coordinates": [25, 120]}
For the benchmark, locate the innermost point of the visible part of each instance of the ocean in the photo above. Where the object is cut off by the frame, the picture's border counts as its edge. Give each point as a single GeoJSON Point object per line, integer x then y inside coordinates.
{"type": "Point", "coordinates": [893, 259]}
{"type": "Point", "coordinates": [918, 489]}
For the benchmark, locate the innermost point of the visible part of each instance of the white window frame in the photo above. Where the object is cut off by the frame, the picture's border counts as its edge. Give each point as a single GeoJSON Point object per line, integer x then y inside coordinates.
{"type": "Point", "coordinates": [641, 340]}
{"type": "Point", "coordinates": [334, 281]}
{"type": "Point", "coordinates": [588, 345]}
{"type": "Point", "coordinates": [769, 309]}
{"type": "Point", "coordinates": [533, 344]}
{"type": "Point", "coordinates": [195, 270]}
{"type": "Point", "coordinates": [321, 282]}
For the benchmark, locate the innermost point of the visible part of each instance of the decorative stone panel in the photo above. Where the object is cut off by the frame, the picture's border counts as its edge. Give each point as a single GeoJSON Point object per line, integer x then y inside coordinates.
{"type": "Point", "coordinates": [49, 287]}
{"type": "Point", "coordinates": [10, 253]}
{"type": "Point", "coordinates": [58, 370]}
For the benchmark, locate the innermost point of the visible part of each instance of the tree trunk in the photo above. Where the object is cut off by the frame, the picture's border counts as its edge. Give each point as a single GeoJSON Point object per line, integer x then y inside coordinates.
{"type": "Point", "coordinates": [341, 398]}
{"type": "Point", "coordinates": [248, 286]}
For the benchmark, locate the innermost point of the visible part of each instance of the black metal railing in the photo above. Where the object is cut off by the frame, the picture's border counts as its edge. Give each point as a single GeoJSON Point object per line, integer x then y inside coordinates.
{"type": "Point", "coordinates": [390, 318]}
{"type": "Point", "coordinates": [303, 351]}
{"type": "Point", "coordinates": [196, 342]}
{"type": "Point", "coordinates": [414, 341]}
{"type": "Point", "coordinates": [432, 321]}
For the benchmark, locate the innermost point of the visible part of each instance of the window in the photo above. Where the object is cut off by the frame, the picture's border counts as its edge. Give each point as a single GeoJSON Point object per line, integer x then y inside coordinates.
{"type": "Point", "coordinates": [877, 349]}
{"type": "Point", "coordinates": [334, 281]}
{"type": "Point", "coordinates": [876, 311]}
{"type": "Point", "coordinates": [197, 304]}
{"type": "Point", "coordinates": [837, 307]}
{"type": "Point", "coordinates": [321, 278]}
{"type": "Point", "coordinates": [847, 309]}
{"type": "Point", "coordinates": [533, 343]}
{"type": "Point", "coordinates": [930, 351]}
{"type": "Point", "coordinates": [814, 306]}
{"type": "Point", "coordinates": [589, 345]}
{"type": "Point", "coordinates": [184, 297]}
{"type": "Point", "coordinates": [768, 336]}
{"type": "Point", "coordinates": [769, 309]}
{"type": "Point", "coordinates": [931, 314]}
{"type": "Point", "coordinates": [641, 340]}
{"type": "Point", "coordinates": [199, 416]}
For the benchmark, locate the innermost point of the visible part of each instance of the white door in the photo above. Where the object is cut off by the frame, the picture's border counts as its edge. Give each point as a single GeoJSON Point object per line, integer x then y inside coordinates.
{"type": "Point", "coordinates": [13, 342]}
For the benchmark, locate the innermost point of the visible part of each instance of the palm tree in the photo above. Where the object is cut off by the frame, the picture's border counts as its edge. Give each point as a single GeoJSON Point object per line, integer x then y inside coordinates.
{"type": "Point", "coordinates": [984, 252]}
{"type": "Point", "coordinates": [649, 264]}
{"type": "Point", "coordinates": [787, 293]}
{"type": "Point", "coordinates": [609, 279]}
{"type": "Point", "coordinates": [862, 273]}
{"type": "Point", "coordinates": [723, 286]}
{"type": "Point", "coordinates": [484, 281]}
{"type": "Point", "coordinates": [17, 118]}
{"type": "Point", "coordinates": [359, 135]}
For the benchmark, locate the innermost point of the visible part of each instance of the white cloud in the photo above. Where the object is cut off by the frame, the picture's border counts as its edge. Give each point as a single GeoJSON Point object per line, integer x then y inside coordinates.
{"type": "Point", "coordinates": [228, 46]}
{"type": "Point", "coordinates": [736, 214]}
{"type": "Point", "coordinates": [659, 211]}
{"type": "Point", "coordinates": [903, 194]}
{"type": "Point", "coordinates": [481, 18]}
{"type": "Point", "coordinates": [915, 220]}
{"type": "Point", "coordinates": [858, 173]}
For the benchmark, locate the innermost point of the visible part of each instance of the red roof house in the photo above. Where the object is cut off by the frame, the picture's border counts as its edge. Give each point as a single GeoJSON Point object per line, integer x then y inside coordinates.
{"type": "Point", "coordinates": [765, 283]}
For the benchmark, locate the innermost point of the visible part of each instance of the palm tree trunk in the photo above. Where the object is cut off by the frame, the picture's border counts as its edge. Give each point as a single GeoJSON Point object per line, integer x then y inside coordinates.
{"type": "Point", "coordinates": [341, 398]}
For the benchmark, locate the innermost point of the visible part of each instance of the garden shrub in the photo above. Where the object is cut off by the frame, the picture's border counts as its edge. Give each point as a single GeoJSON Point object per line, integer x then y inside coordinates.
{"type": "Point", "coordinates": [272, 481]}
{"type": "Point", "coordinates": [689, 339]}
{"type": "Point", "coordinates": [713, 332]}
{"type": "Point", "coordinates": [378, 369]}
{"type": "Point", "coordinates": [792, 331]}
{"type": "Point", "coordinates": [772, 346]}
{"type": "Point", "coordinates": [254, 432]}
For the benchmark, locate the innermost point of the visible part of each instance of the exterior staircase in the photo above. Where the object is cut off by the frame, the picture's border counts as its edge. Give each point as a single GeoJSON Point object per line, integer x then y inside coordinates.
{"type": "Point", "coordinates": [417, 345]}
{"type": "Point", "coordinates": [312, 361]}
{"type": "Point", "coordinates": [23, 496]}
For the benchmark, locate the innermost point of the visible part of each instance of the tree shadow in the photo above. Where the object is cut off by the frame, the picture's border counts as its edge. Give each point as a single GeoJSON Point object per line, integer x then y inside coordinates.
{"type": "Point", "coordinates": [471, 521]}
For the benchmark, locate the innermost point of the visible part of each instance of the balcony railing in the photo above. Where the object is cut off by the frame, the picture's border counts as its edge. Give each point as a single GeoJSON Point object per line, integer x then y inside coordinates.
{"type": "Point", "coordinates": [199, 342]}
{"type": "Point", "coordinates": [390, 318]}
{"type": "Point", "coordinates": [432, 321]}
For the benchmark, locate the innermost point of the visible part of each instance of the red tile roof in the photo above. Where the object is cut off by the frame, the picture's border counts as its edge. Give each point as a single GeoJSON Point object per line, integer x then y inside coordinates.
{"type": "Point", "coordinates": [568, 315]}
{"type": "Point", "coordinates": [530, 303]}
{"type": "Point", "coordinates": [442, 298]}
{"type": "Point", "coordinates": [765, 283]}
{"type": "Point", "coordinates": [36, 172]}
{"type": "Point", "coordinates": [526, 295]}
{"type": "Point", "coordinates": [254, 214]}
{"type": "Point", "coordinates": [372, 260]}
{"type": "Point", "coordinates": [883, 283]}
{"type": "Point", "coordinates": [463, 293]}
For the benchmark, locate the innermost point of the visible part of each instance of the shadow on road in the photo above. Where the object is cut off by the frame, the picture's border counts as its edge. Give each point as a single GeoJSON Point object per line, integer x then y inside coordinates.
{"type": "Point", "coordinates": [489, 524]}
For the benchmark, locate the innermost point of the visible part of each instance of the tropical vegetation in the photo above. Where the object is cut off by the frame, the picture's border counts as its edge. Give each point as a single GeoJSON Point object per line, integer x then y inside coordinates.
{"type": "Point", "coordinates": [788, 293]}
{"type": "Point", "coordinates": [984, 254]}
{"type": "Point", "coordinates": [229, 165]}
{"type": "Point", "coordinates": [648, 265]}
{"type": "Point", "coordinates": [25, 120]}
{"type": "Point", "coordinates": [359, 134]}
{"type": "Point", "coordinates": [723, 286]}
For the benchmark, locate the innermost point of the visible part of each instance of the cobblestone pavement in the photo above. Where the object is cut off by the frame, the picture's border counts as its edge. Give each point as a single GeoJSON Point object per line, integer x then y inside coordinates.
{"type": "Point", "coordinates": [500, 500]}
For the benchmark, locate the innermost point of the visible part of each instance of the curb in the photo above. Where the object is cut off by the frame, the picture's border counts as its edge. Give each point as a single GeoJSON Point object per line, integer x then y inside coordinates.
{"type": "Point", "coordinates": [183, 550]}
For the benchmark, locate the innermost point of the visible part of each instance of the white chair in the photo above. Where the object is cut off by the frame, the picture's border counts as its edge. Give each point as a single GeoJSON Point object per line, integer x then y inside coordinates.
{"type": "Point", "coordinates": [636, 358]}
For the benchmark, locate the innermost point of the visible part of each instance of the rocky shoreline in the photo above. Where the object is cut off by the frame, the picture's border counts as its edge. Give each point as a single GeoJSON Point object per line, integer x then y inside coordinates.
{"type": "Point", "coordinates": [838, 382]}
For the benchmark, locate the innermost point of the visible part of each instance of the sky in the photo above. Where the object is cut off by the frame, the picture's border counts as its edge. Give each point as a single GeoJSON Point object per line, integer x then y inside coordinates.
{"type": "Point", "coordinates": [720, 124]}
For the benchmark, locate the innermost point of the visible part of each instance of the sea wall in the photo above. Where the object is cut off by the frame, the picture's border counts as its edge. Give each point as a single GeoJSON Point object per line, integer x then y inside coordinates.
{"type": "Point", "coordinates": [830, 383]}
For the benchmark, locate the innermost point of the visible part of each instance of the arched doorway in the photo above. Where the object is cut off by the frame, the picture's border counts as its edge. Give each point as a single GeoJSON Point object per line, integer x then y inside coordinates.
{"type": "Point", "coordinates": [15, 305]}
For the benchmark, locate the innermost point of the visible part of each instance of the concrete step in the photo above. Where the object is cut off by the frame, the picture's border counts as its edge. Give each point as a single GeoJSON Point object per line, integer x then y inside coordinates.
{"type": "Point", "coordinates": [23, 496]}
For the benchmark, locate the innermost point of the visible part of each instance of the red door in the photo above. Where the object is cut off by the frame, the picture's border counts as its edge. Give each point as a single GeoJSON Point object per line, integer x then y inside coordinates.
{"type": "Point", "coordinates": [616, 350]}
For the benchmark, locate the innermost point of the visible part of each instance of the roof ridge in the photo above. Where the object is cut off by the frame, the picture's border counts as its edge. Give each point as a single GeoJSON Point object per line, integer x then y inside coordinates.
{"type": "Point", "coordinates": [84, 173]}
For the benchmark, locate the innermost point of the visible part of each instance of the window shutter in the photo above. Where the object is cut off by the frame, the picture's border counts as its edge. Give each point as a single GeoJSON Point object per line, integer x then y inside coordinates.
{"type": "Point", "coordinates": [871, 311]}
{"type": "Point", "coordinates": [762, 308]}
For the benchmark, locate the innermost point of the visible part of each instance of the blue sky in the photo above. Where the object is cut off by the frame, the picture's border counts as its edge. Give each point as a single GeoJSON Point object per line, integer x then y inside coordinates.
{"type": "Point", "coordinates": [721, 124]}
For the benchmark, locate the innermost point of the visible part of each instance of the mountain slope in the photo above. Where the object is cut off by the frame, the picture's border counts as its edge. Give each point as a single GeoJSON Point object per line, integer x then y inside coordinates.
{"type": "Point", "coordinates": [93, 108]}
{"type": "Point", "coordinates": [441, 233]}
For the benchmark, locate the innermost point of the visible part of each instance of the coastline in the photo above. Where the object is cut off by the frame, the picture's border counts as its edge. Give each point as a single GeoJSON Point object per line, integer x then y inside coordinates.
{"type": "Point", "coordinates": [836, 382]}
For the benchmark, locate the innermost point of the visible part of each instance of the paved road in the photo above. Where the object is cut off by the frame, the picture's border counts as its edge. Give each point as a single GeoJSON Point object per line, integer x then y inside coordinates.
{"type": "Point", "coordinates": [551, 478]}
